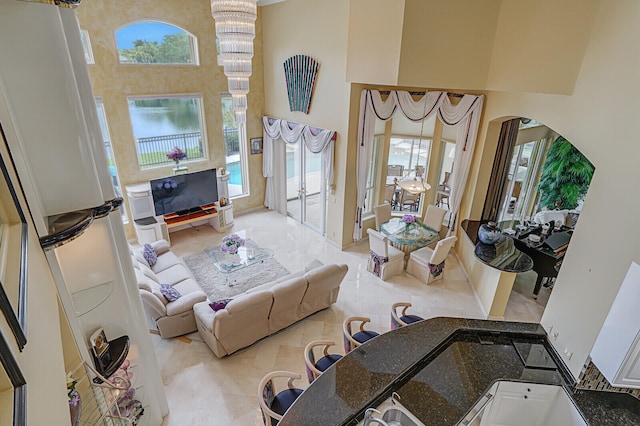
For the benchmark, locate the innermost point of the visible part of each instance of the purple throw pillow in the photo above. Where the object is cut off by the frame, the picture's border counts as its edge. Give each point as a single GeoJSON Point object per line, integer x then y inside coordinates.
{"type": "Point", "coordinates": [170, 293]}
{"type": "Point", "coordinates": [149, 254]}
{"type": "Point", "coordinates": [219, 304]}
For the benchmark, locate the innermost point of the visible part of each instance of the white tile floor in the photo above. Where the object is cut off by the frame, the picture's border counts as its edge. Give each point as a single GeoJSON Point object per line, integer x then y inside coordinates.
{"type": "Point", "coordinates": [204, 390]}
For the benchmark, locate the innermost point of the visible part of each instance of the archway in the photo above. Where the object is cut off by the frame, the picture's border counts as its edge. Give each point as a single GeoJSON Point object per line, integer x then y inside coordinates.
{"type": "Point", "coordinates": [535, 191]}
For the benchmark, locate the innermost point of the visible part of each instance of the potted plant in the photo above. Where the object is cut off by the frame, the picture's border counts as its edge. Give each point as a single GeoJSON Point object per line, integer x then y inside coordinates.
{"type": "Point", "coordinates": [565, 178]}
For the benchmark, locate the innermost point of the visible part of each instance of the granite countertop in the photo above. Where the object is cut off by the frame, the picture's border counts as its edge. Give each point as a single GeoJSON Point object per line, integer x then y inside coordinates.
{"type": "Point", "coordinates": [503, 255]}
{"type": "Point", "coordinates": [440, 367]}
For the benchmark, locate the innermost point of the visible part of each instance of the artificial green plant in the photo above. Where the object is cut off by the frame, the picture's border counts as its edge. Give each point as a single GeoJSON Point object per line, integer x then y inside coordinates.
{"type": "Point", "coordinates": [565, 178]}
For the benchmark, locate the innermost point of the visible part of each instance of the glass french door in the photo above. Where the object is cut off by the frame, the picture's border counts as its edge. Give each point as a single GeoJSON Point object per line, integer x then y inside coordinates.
{"type": "Point", "coordinates": [306, 193]}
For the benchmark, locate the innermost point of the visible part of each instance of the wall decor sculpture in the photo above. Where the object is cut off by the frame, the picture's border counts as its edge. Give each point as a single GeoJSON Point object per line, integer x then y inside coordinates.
{"type": "Point", "coordinates": [300, 72]}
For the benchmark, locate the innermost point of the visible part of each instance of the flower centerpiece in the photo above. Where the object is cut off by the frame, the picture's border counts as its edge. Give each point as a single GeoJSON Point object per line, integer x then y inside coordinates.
{"type": "Point", "coordinates": [231, 243]}
{"type": "Point", "coordinates": [408, 220]}
{"type": "Point", "coordinates": [176, 154]}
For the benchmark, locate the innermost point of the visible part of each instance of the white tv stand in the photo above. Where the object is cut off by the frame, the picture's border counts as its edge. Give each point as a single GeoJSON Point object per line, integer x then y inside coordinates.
{"type": "Point", "coordinates": [150, 228]}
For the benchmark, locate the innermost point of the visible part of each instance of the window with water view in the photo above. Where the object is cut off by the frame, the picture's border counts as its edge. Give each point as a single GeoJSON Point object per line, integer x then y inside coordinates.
{"type": "Point", "coordinates": [162, 123]}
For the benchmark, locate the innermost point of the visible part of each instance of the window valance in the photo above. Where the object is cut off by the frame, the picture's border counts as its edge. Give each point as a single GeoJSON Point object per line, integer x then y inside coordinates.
{"type": "Point", "coordinates": [466, 114]}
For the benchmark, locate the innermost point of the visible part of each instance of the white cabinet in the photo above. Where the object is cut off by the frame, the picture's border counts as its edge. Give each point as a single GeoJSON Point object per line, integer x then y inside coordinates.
{"type": "Point", "coordinates": [525, 404]}
{"type": "Point", "coordinates": [616, 351]}
{"type": "Point", "coordinates": [224, 219]}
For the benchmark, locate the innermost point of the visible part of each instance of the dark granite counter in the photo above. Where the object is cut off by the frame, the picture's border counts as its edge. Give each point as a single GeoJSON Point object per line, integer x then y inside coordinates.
{"type": "Point", "coordinates": [440, 367]}
{"type": "Point", "coordinates": [503, 255]}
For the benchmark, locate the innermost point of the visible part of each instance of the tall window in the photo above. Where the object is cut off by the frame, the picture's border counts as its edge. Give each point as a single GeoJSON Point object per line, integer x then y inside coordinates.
{"type": "Point", "coordinates": [113, 169]}
{"type": "Point", "coordinates": [162, 123]}
{"type": "Point", "coordinates": [153, 42]}
{"type": "Point", "coordinates": [235, 139]}
{"type": "Point", "coordinates": [86, 46]}
{"type": "Point", "coordinates": [409, 153]}
{"type": "Point", "coordinates": [369, 199]}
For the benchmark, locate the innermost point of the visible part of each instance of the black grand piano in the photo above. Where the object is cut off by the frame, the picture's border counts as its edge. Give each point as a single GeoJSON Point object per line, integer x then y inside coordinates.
{"type": "Point", "coordinates": [547, 254]}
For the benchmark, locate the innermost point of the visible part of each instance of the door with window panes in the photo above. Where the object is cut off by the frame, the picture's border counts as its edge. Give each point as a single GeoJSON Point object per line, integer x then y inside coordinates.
{"type": "Point", "coordinates": [305, 188]}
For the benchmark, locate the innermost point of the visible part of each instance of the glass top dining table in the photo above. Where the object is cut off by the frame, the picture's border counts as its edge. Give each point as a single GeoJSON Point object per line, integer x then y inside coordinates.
{"type": "Point", "coordinates": [408, 238]}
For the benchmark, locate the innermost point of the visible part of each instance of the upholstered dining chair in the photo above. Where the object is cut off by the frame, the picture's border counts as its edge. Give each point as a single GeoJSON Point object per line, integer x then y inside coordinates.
{"type": "Point", "coordinates": [427, 264]}
{"type": "Point", "coordinates": [316, 368]}
{"type": "Point", "coordinates": [434, 216]}
{"type": "Point", "coordinates": [395, 170]}
{"type": "Point", "coordinates": [390, 195]}
{"type": "Point", "coordinates": [385, 260]}
{"type": "Point", "coordinates": [273, 405]}
{"type": "Point", "coordinates": [409, 200]}
{"type": "Point", "coordinates": [382, 213]}
{"type": "Point", "coordinates": [351, 340]}
{"type": "Point", "coordinates": [402, 319]}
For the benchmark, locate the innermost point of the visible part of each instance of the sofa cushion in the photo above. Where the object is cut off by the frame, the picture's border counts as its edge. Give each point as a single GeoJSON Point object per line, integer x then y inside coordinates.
{"type": "Point", "coordinates": [137, 255]}
{"type": "Point", "coordinates": [170, 293]}
{"type": "Point", "coordinates": [173, 274]}
{"type": "Point", "coordinates": [146, 270]}
{"type": "Point", "coordinates": [287, 297]}
{"type": "Point", "coordinates": [149, 254]}
{"type": "Point", "coordinates": [323, 287]}
{"type": "Point", "coordinates": [244, 321]}
{"type": "Point", "coordinates": [149, 285]}
{"type": "Point", "coordinates": [166, 260]}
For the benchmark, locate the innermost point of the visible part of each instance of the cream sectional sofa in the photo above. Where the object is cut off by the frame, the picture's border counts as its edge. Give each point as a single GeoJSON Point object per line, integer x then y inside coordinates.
{"type": "Point", "coordinates": [266, 309]}
{"type": "Point", "coordinates": [172, 318]}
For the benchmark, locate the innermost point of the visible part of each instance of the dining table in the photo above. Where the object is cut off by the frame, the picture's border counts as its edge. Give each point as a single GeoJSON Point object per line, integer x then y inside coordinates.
{"type": "Point", "coordinates": [408, 237]}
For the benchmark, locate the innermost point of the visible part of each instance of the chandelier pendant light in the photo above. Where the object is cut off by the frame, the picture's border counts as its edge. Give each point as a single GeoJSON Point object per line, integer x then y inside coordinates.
{"type": "Point", "coordinates": [235, 29]}
{"type": "Point", "coordinates": [416, 185]}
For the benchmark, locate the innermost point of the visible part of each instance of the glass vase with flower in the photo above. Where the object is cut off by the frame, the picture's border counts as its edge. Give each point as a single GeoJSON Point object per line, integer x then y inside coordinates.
{"type": "Point", "coordinates": [231, 243]}
{"type": "Point", "coordinates": [409, 222]}
{"type": "Point", "coordinates": [176, 154]}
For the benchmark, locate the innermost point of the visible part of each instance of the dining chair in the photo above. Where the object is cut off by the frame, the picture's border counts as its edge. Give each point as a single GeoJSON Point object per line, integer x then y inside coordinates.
{"type": "Point", "coordinates": [316, 368]}
{"type": "Point", "coordinates": [385, 260]}
{"type": "Point", "coordinates": [395, 170]}
{"type": "Point", "coordinates": [353, 340]}
{"type": "Point", "coordinates": [273, 405]}
{"type": "Point", "coordinates": [402, 319]}
{"type": "Point", "coordinates": [390, 195]}
{"type": "Point", "coordinates": [443, 191]}
{"type": "Point", "coordinates": [433, 217]}
{"type": "Point", "coordinates": [427, 264]}
{"type": "Point", "coordinates": [410, 200]}
{"type": "Point", "coordinates": [382, 214]}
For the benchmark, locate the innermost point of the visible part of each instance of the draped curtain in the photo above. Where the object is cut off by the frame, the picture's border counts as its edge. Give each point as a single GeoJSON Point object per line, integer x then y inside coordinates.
{"type": "Point", "coordinates": [466, 114]}
{"type": "Point", "coordinates": [500, 172]}
{"type": "Point", "coordinates": [318, 141]}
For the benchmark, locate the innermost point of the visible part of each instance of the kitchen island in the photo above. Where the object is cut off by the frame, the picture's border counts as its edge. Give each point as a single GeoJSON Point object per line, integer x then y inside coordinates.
{"type": "Point", "coordinates": [440, 367]}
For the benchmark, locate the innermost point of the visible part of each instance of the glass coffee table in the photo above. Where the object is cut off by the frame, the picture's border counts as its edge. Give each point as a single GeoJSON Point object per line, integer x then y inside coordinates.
{"type": "Point", "coordinates": [227, 263]}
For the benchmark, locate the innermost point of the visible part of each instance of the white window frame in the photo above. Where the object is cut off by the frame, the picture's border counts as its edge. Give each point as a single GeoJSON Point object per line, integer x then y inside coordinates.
{"type": "Point", "coordinates": [242, 148]}
{"type": "Point", "coordinates": [102, 116]}
{"type": "Point", "coordinates": [88, 50]}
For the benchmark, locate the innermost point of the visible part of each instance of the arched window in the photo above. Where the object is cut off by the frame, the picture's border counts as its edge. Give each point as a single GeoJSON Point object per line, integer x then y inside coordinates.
{"type": "Point", "coordinates": [152, 42]}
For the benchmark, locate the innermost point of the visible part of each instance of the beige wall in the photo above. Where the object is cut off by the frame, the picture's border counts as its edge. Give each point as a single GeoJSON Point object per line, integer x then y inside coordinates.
{"type": "Point", "coordinates": [448, 43]}
{"type": "Point", "coordinates": [114, 82]}
{"type": "Point", "coordinates": [317, 29]}
{"type": "Point", "coordinates": [41, 362]}
{"type": "Point", "coordinates": [597, 69]}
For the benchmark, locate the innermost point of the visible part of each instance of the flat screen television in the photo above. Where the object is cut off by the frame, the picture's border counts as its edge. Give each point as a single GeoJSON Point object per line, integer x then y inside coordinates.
{"type": "Point", "coordinates": [184, 193]}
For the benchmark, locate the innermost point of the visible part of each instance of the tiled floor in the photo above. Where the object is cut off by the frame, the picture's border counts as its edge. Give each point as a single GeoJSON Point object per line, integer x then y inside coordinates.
{"type": "Point", "coordinates": [204, 390]}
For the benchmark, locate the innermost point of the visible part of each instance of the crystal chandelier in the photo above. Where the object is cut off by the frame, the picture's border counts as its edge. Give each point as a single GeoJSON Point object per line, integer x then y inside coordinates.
{"type": "Point", "coordinates": [417, 184]}
{"type": "Point", "coordinates": [235, 29]}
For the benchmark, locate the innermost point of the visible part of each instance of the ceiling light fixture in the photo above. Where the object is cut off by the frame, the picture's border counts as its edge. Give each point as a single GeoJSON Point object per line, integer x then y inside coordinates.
{"type": "Point", "coordinates": [417, 185]}
{"type": "Point", "coordinates": [235, 29]}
